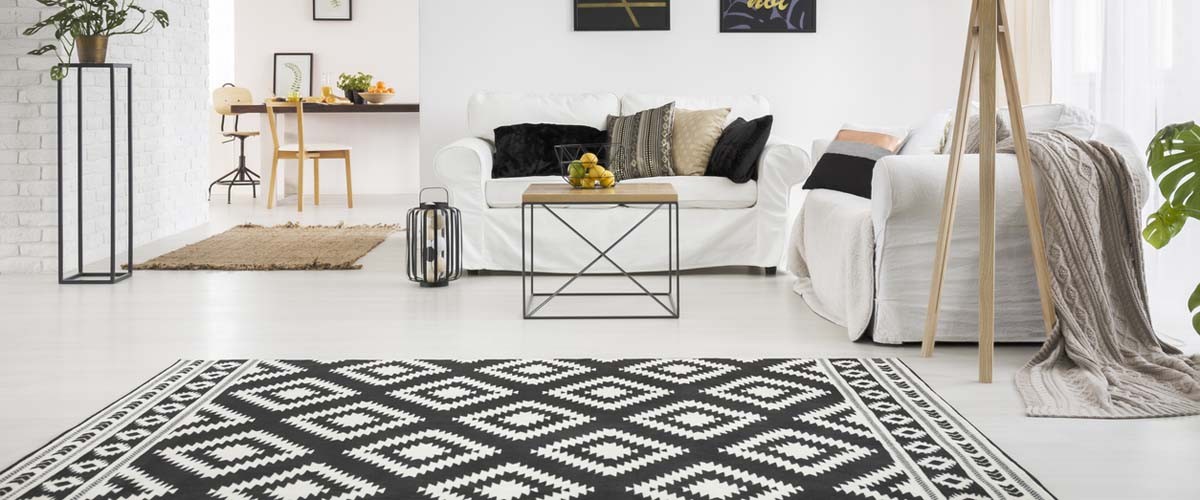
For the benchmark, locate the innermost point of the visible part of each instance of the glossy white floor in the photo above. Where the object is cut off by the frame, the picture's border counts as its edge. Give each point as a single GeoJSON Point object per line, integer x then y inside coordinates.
{"type": "Point", "coordinates": [68, 351]}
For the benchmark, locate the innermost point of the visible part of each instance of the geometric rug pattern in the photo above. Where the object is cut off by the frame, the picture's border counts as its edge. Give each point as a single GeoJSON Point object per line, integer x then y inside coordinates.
{"type": "Point", "coordinates": [656, 429]}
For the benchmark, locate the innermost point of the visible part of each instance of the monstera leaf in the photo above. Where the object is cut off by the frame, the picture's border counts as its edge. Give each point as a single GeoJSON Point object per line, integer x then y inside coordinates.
{"type": "Point", "coordinates": [1175, 162]}
{"type": "Point", "coordinates": [1164, 224]}
{"type": "Point", "coordinates": [1194, 306]}
{"type": "Point", "coordinates": [1174, 159]}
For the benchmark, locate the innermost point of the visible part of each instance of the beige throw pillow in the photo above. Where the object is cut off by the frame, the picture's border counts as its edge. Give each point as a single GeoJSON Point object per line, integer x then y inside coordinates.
{"type": "Point", "coordinates": [696, 132]}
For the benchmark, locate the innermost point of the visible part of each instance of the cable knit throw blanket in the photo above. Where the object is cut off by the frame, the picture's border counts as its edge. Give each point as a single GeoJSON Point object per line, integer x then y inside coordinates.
{"type": "Point", "coordinates": [1103, 359]}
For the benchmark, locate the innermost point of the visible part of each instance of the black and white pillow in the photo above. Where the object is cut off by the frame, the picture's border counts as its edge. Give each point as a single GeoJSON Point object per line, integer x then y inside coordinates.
{"type": "Point", "coordinates": [849, 163]}
{"type": "Point", "coordinates": [642, 143]}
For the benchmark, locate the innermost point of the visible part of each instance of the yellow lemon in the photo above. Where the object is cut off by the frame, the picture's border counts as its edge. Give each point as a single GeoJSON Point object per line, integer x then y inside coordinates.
{"type": "Point", "coordinates": [589, 160]}
{"type": "Point", "coordinates": [596, 171]}
{"type": "Point", "coordinates": [608, 179]}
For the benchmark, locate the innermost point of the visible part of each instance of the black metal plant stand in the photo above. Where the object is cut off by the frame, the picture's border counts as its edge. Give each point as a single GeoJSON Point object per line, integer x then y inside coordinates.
{"type": "Point", "coordinates": [82, 277]}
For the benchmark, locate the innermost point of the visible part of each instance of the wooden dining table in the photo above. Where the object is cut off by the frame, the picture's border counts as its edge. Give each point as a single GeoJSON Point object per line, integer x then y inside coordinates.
{"type": "Point", "coordinates": [286, 129]}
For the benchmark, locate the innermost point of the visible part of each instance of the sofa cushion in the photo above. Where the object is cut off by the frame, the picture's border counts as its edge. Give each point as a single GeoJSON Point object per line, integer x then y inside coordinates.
{"type": "Point", "coordinates": [737, 152]}
{"type": "Point", "coordinates": [486, 111]}
{"type": "Point", "coordinates": [849, 162]}
{"type": "Point", "coordinates": [694, 192]}
{"type": "Point", "coordinates": [696, 133]}
{"type": "Point", "coordinates": [642, 143]}
{"type": "Point", "coordinates": [747, 107]}
{"type": "Point", "coordinates": [528, 149]}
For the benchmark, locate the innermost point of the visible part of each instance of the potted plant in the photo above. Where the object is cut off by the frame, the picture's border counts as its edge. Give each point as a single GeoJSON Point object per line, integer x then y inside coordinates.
{"type": "Point", "coordinates": [352, 85]}
{"type": "Point", "coordinates": [1174, 160]}
{"type": "Point", "coordinates": [88, 24]}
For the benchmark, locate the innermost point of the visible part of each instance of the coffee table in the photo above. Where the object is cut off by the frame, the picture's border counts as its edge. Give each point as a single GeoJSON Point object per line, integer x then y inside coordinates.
{"type": "Point", "coordinates": [658, 198]}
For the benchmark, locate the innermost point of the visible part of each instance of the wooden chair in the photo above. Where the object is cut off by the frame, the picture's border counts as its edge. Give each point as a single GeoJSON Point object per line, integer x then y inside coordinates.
{"type": "Point", "coordinates": [224, 99]}
{"type": "Point", "coordinates": [302, 152]}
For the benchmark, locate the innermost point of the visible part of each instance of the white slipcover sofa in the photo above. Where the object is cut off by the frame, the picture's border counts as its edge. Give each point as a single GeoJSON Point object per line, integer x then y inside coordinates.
{"type": "Point", "coordinates": [869, 261]}
{"type": "Point", "coordinates": [722, 223]}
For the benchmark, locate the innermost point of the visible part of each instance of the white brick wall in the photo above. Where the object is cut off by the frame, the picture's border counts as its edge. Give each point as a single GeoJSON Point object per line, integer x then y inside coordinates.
{"type": "Point", "coordinates": [171, 107]}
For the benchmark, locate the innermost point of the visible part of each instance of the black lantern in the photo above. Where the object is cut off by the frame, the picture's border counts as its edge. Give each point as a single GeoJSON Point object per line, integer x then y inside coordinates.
{"type": "Point", "coordinates": [434, 242]}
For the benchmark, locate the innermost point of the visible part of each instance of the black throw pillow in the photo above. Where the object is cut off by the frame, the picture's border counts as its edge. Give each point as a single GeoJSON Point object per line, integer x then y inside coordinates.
{"type": "Point", "coordinates": [528, 149]}
{"type": "Point", "coordinates": [848, 165]}
{"type": "Point", "coordinates": [737, 151]}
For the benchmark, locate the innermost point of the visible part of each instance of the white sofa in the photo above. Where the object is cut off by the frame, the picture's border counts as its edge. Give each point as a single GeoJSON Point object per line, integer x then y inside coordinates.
{"type": "Point", "coordinates": [722, 223]}
{"type": "Point", "coordinates": [863, 262]}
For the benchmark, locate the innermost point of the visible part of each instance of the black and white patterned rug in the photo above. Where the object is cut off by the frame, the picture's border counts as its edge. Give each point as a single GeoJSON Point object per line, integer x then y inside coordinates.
{"type": "Point", "coordinates": [713, 429]}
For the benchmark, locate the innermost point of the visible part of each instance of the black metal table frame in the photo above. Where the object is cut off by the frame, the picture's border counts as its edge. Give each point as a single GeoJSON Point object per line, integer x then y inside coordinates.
{"type": "Point", "coordinates": [530, 295]}
{"type": "Point", "coordinates": [82, 277]}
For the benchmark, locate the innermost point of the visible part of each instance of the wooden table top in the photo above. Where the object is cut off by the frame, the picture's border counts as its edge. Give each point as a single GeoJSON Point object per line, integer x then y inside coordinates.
{"type": "Point", "coordinates": [313, 107]}
{"type": "Point", "coordinates": [563, 193]}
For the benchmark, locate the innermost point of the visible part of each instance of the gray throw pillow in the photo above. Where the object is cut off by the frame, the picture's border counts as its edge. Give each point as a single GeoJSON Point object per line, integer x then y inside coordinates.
{"type": "Point", "coordinates": [642, 143]}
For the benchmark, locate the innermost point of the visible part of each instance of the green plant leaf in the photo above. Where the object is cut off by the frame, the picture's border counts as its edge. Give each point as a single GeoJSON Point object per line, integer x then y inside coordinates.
{"type": "Point", "coordinates": [1174, 160]}
{"type": "Point", "coordinates": [161, 16]}
{"type": "Point", "coordinates": [1194, 307]}
{"type": "Point", "coordinates": [42, 50]}
{"type": "Point", "coordinates": [57, 73]}
{"type": "Point", "coordinates": [1164, 225]}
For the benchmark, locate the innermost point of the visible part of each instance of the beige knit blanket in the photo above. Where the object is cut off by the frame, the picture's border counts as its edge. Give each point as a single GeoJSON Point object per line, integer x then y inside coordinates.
{"type": "Point", "coordinates": [1103, 359]}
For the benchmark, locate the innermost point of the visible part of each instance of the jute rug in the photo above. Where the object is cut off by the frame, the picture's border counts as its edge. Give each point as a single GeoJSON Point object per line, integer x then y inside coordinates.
{"type": "Point", "coordinates": [288, 247]}
{"type": "Point", "coordinates": [653, 429]}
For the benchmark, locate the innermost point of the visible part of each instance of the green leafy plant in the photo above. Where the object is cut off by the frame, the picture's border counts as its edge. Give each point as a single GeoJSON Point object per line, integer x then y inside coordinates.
{"type": "Point", "coordinates": [77, 18]}
{"type": "Point", "coordinates": [360, 82]}
{"type": "Point", "coordinates": [1174, 160]}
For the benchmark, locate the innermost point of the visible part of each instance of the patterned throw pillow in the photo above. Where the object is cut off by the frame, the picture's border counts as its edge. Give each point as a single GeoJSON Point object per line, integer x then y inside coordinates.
{"type": "Point", "coordinates": [849, 163]}
{"type": "Point", "coordinates": [643, 143]}
{"type": "Point", "coordinates": [692, 141]}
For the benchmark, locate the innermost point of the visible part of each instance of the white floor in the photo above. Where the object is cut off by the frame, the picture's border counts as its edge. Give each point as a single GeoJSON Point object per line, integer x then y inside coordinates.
{"type": "Point", "coordinates": [68, 351]}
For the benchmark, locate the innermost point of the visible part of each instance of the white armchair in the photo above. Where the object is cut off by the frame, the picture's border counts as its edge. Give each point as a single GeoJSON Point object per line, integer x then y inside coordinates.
{"type": "Point", "coordinates": [863, 262]}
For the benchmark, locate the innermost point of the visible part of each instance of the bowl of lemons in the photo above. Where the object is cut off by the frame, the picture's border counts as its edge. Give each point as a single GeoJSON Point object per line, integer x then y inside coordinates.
{"type": "Point", "coordinates": [582, 165]}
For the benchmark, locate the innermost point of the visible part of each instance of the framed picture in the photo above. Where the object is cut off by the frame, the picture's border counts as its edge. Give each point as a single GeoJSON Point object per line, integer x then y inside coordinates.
{"type": "Point", "coordinates": [293, 72]}
{"type": "Point", "coordinates": [624, 15]}
{"type": "Point", "coordinates": [768, 16]}
{"type": "Point", "coordinates": [333, 10]}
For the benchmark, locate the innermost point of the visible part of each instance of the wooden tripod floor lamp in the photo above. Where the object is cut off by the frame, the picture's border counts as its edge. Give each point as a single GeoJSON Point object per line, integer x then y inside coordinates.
{"type": "Point", "coordinates": [988, 36]}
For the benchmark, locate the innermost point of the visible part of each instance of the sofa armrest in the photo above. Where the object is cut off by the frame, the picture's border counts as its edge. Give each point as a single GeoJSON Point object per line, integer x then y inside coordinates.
{"type": "Point", "coordinates": [463, 167]}
{"type": "Point", "coordinates": [907, 190]}
{"type": "Point", "coordinates": [781, 167]}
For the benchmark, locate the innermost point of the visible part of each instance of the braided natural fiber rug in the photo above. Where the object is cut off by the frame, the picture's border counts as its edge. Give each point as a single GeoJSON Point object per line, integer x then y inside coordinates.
{"type": "Point", "coordinates": [288, 247]}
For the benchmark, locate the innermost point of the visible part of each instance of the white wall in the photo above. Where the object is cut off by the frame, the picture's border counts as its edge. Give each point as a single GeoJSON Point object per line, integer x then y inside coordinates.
{"type": "Point", "coordinates": [882, 62]}
{"type": "Point", "coordinates": [170, 100]}
{"type": "Point", "coordinates": [382, 41]}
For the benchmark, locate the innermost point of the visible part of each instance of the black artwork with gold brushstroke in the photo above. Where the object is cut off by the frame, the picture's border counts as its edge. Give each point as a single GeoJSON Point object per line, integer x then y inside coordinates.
{"type": "Point", "coordinates": [768, 16]}
{"type": "Point", "coordinates": [622, 15]}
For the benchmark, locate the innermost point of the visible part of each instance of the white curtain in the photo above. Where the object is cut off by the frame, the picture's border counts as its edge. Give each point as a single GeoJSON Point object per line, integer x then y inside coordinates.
{"type": "Point", "coordinates": [1133, 63]}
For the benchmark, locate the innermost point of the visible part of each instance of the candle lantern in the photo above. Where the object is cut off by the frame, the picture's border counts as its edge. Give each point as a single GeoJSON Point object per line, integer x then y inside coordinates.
{"type": "Point", "coordinates": [434, 241]}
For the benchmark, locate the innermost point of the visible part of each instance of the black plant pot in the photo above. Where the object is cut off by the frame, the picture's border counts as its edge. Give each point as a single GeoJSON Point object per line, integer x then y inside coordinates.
{"type": "Point", "coordinates": [353, 97]}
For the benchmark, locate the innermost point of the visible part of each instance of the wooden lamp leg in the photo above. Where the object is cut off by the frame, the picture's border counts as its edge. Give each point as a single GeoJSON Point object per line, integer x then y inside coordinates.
{"type": "Point", "coordinates": [950, 196]}
{"type": "Point", "coordinates": [1025, 167]}
{"type": "Point", "coordinates": [988, 32]}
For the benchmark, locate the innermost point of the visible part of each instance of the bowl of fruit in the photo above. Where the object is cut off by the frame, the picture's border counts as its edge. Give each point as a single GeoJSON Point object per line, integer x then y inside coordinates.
{"type": "Point", "coordinates": [378, 93]}
{"type": "Point", "coordinates": [582, 165]}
